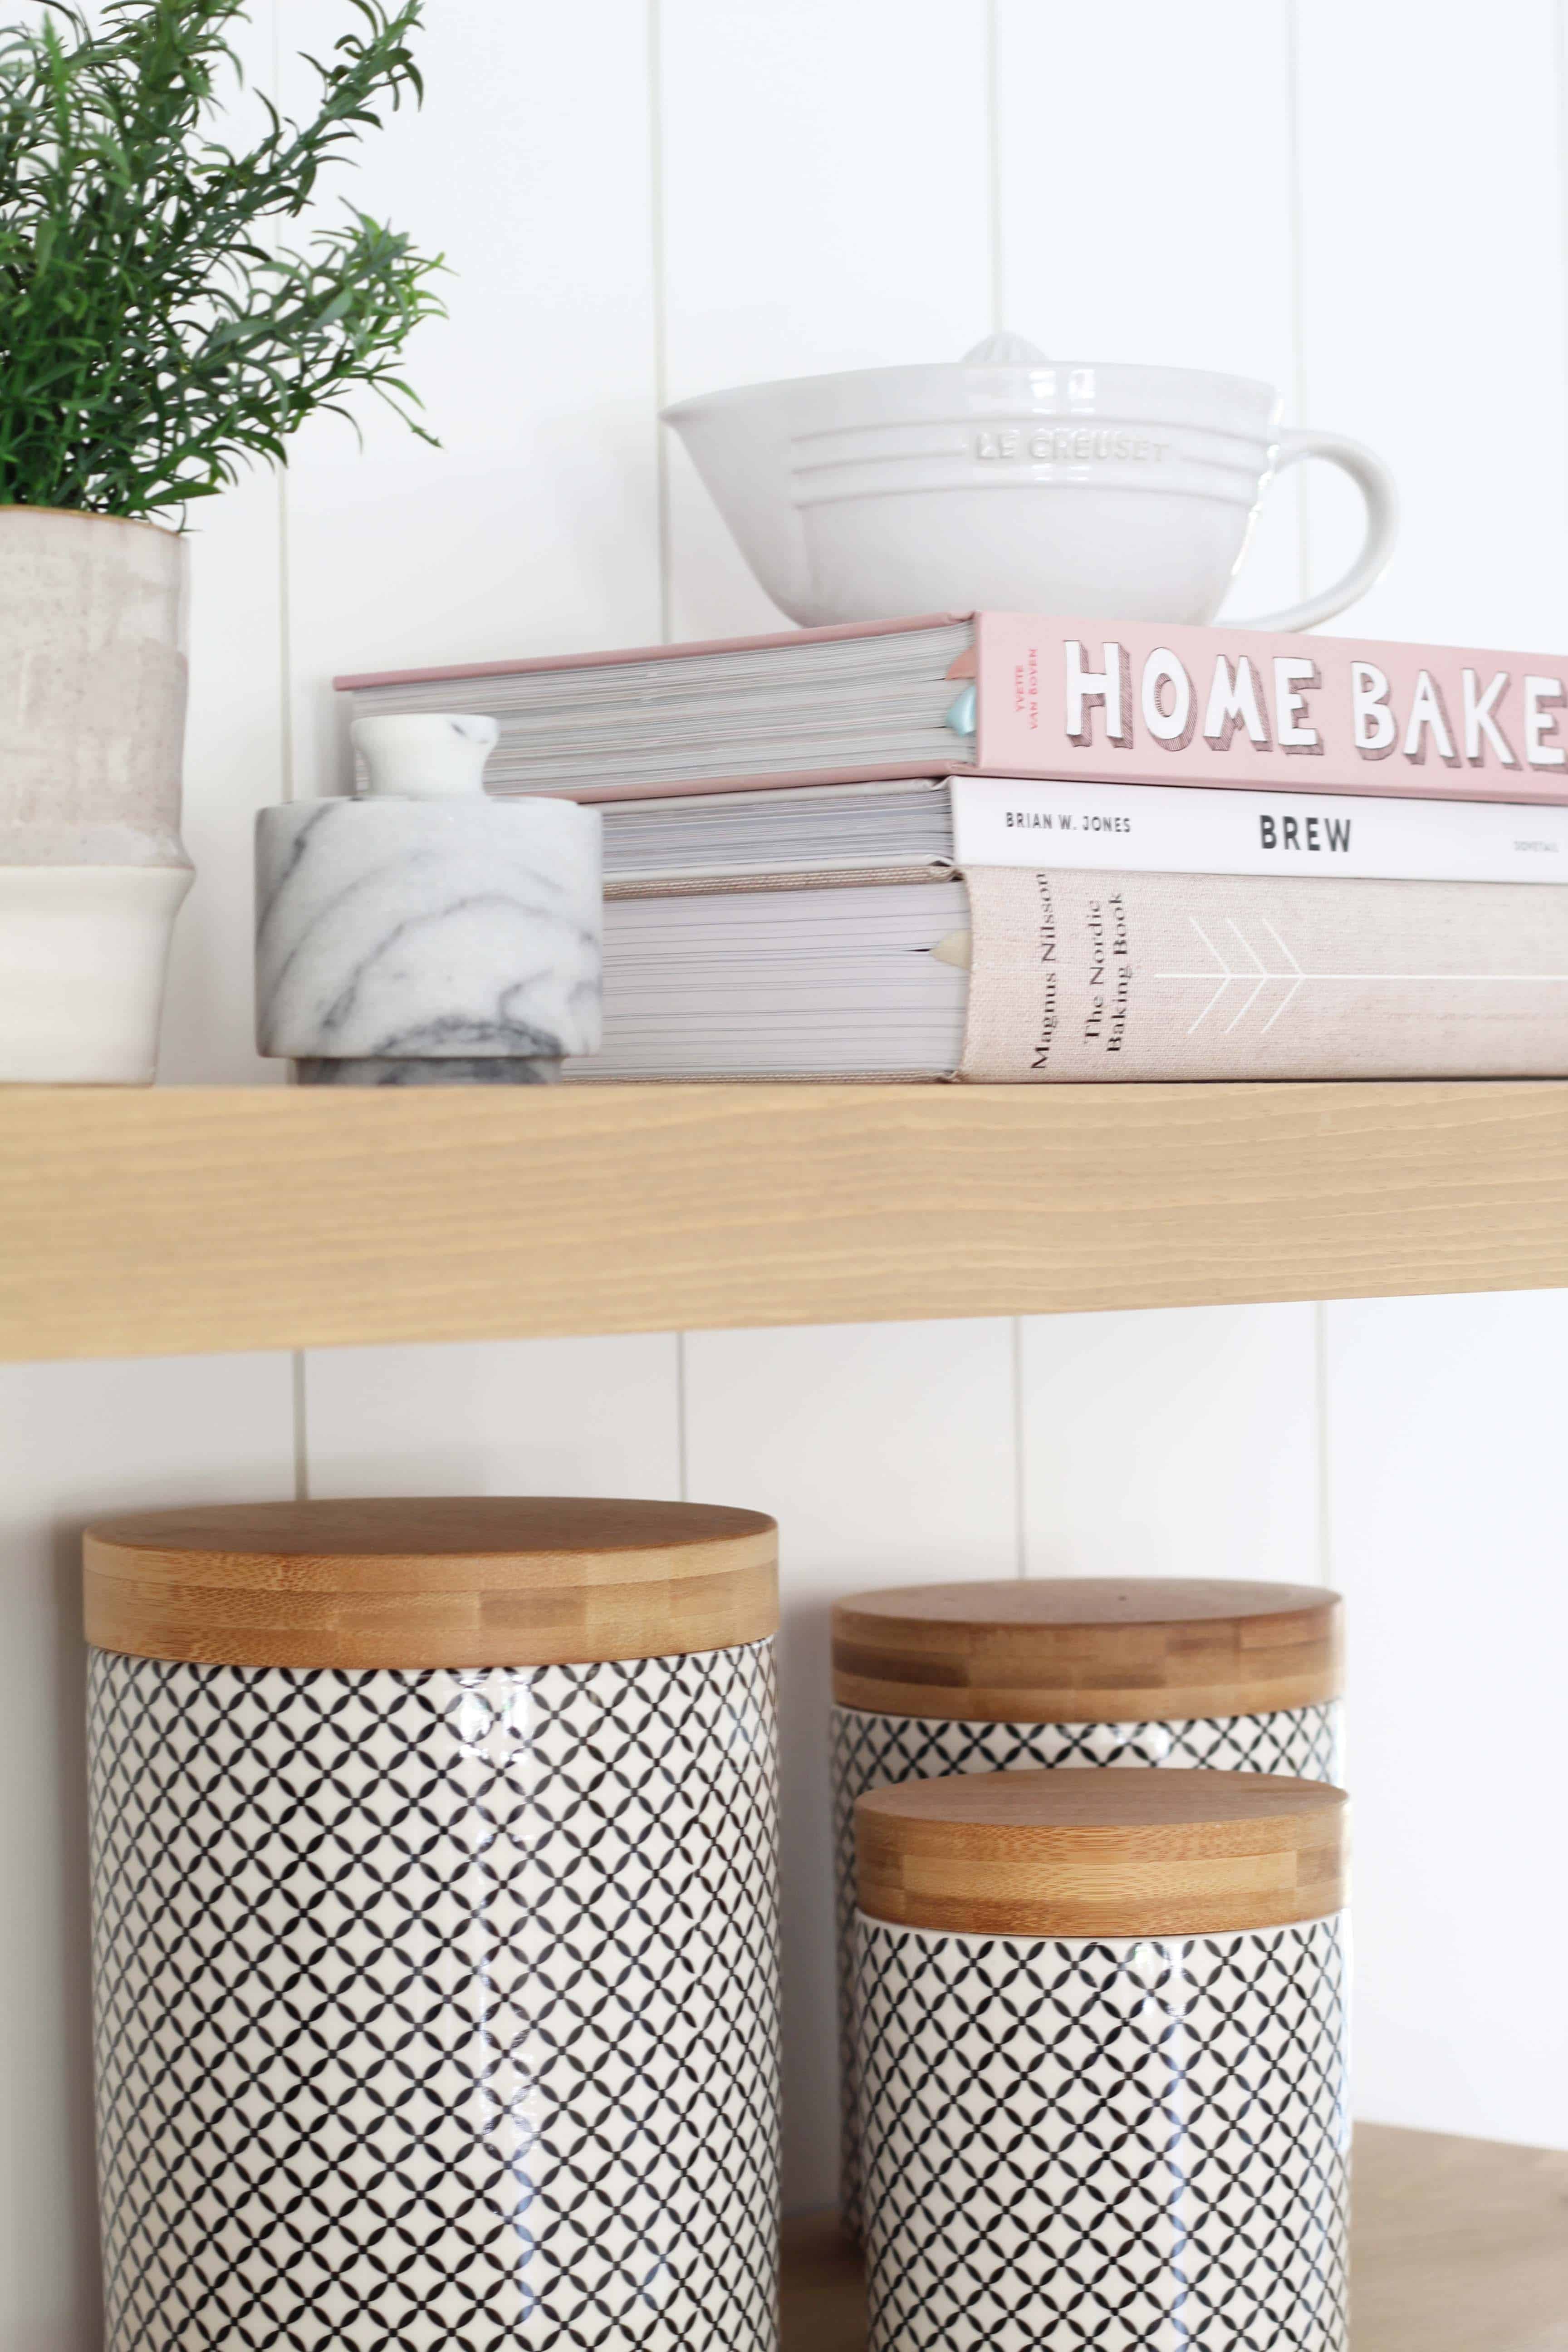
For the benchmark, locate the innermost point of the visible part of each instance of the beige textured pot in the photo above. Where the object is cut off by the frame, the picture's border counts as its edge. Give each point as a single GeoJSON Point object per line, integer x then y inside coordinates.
{"type": "Point", "coordinates": [92, 715]}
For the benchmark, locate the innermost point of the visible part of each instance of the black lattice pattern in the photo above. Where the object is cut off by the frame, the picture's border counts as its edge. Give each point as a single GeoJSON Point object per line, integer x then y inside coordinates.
{"type": "Point", "coordinates": [873, 1751]}
{"type": "Point", "coordinates": [1134, 2146]}
{"type": "Point", "coordinates": [437, 2009]}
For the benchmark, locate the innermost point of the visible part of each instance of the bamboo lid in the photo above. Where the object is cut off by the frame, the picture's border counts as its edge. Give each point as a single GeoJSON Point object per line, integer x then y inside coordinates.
{"type": "Point", "coordinates": [489, 1581]}
{"type": "Point", "coordinates": [1108, 1853]}
{"type": "Point", "coordinates": [1082, 1649]}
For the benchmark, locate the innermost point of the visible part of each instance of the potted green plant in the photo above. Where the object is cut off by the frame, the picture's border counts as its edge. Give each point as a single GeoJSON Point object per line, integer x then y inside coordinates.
{"type": "Point", "coordinates": [167, 314]}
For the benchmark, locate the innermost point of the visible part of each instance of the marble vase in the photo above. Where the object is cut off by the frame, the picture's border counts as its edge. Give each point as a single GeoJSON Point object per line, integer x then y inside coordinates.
{"type": "Point", "coordinates": [92, 868]}
{"type": "Point", "coordinates": [423, 933]}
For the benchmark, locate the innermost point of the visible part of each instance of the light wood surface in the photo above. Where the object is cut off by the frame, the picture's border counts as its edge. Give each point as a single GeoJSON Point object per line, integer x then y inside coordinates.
{"type": "Point", "coordinates": [1456, 2245]}
{"type": "Point", "coordinates": [1087, 1649]}
{"type": "Point", "coordinates": [182, 1220]}
{"type": "Point", "coordinates": [821, 2288]}
{"type": "Point", "coordinates": [490, 1580]}
{"type": "Point", "coordinates": [1100, 1853]}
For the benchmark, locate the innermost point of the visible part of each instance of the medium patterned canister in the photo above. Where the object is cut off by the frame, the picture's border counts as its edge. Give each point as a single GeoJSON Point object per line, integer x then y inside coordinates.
{"type": "Point", "coordinates": [435, 1923]}
{"type": "Point", "coordinates": [931, 1680]}
{"type": "Point", "coordinates": [1103, 2063]}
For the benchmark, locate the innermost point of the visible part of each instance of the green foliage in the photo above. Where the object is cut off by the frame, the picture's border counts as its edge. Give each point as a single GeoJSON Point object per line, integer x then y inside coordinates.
{"type": "Point", "coordinates": [156, 330]}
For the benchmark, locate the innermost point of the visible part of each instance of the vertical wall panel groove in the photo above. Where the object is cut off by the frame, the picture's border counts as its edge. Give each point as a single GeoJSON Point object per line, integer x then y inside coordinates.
{"type": "Point", "coordinates": [1430, 173]}
{"type": "Point", "coordinates": [1175, 1442]}
{"type": "Point", "coordinates": [79, 1440]}
{"type": "Point", "coordinates": [534, 527]}
{"type": "Point", "coordinates": [1322, 1429]}
{"type": "Point", "coordinates": [995, 250]}
{"type": "Point", "coordinates": [828, 204]}
{"type": "Point", "coordinates": [1145, 171]}
{"type": "Point", "coordinates": [885, 1450]}
{"type": "Point", "coordinates": [1448, 1515]}
{"type": "Point", "coordinates": [660, 305]}
{"type": "Point", "coordinates": [1299, 372]}
{"type": "Point", "coordinates": [1432, 168]}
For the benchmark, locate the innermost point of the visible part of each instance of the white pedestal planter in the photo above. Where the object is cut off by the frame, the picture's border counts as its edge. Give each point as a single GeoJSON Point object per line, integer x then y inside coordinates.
{"type": "Point", "coordinates": [92, 870]}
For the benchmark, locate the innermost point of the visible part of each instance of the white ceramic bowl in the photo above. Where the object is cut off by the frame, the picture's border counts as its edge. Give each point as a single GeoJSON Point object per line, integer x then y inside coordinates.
{"type": "Point", "coordinates": [1009, 481]}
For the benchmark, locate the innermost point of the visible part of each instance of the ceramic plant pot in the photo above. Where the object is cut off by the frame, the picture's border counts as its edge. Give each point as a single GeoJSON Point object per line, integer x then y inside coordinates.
{"type": "Point", "coordinates": [435, 1945]}
{"type": "Point", "coordinates": [1102, 2036]}
{"type": "Point", "coordinates": [92, 714]}
{"type": "Point", "coordinates": [1063, 1672]}
{"type": "Point", "coordinates": [1015, 482]}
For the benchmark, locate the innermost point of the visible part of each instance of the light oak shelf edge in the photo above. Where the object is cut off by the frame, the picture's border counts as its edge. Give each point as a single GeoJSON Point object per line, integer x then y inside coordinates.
{"type": "Point", "coordinates": [1456, 2245]}
{"type": "Point", "coordinates": [190, 1219]}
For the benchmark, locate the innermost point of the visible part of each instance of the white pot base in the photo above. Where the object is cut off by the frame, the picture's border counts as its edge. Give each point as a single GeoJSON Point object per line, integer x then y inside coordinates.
{"type": "Point", "coordinates": [83, 951]}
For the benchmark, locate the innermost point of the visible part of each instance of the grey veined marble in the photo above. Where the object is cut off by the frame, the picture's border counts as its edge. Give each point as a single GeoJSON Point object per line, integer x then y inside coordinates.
{"type": "Point", "coordinates": [453, 929]}
{"type": "Point", "coordinates": [471, 1070]}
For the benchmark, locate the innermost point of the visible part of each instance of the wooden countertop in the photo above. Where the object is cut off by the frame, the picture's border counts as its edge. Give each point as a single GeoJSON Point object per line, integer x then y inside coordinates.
{"type": "Point", "coordinates": [1458, 2246]}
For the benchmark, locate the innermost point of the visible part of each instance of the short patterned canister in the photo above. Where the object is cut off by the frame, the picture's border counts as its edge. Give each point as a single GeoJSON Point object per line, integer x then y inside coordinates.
{"type": "Point", "coordinates": [1101, 2024]}
{"type": "Point", "coordinates": [434, 1859]}
{"type": "Point", "coordinates": [931, 1680]}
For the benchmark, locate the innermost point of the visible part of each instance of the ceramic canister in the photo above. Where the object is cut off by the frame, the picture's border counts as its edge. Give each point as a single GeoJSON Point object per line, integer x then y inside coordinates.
{"type": "Point", "coordinates": [1103, 2063]}
{"type": "Point", "coordinates": [929, 1680]}
{"type": "Point", "coordinates": [434, 1924]}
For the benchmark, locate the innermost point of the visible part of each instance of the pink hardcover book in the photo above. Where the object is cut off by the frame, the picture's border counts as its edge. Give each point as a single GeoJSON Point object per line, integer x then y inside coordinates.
{"type": "Point", "coordinates": [1013, 695]}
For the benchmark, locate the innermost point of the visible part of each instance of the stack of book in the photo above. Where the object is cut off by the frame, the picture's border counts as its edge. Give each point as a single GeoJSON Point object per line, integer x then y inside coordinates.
{"type": "Point", "coordinates": [1005, 848]}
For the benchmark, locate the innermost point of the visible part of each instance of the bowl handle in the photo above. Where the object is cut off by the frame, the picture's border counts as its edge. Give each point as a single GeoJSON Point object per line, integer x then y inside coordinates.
{"type": "Point", "coordinates": [1375, 483]}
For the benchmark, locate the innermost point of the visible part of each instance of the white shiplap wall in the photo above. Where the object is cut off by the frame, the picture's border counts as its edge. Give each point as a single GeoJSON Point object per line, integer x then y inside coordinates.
{"type": "Point", "coordinates": [644, 198]}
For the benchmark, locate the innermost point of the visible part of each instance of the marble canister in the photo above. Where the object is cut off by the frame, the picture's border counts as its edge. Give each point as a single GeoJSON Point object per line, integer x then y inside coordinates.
{"type": "Point", "coordinates": [423, 932]}
{"type": "Point", "coordinates": [931, 1681]}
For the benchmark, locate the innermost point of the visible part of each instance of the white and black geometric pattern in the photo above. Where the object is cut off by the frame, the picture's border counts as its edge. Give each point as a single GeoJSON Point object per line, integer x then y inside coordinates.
{"type": "Point", "coordinates": [437, 2011]}
{"type": "Point", "coordinates": [873, 1751]}
{"type": "Point", "coordinates": [1131, 2146]}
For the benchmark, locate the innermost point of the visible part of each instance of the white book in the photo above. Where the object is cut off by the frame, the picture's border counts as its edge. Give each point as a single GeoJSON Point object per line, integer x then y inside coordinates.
{"type": "Point", "coordinates": [930, 829]}
{"type": "Point", "coordinates": [1181, 829]}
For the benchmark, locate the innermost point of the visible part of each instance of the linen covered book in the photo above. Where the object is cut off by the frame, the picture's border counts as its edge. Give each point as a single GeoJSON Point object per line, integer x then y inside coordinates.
{"type": "Point", "coordinates": [1007, 694]}
{"type": "Point", "coordinates": [1022, 975]}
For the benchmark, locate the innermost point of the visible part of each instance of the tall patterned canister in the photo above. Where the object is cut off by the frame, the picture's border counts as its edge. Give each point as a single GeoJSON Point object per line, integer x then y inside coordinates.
{"type": "Point", "coordinates": [931, 1680]}
{"type": "Point", "coordinates": [434, 1926]}
{"type": "Point", "coordinates": [1103, 2063]}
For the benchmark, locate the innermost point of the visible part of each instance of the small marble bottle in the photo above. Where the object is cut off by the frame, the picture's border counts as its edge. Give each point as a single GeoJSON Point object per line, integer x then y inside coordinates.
{"type": "Point", "coordinates": [423, 933]}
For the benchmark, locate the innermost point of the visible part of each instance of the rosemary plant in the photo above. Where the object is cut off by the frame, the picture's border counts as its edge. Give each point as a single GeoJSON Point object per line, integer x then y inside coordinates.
{"type": "Point", "coordinates": [158, 328]}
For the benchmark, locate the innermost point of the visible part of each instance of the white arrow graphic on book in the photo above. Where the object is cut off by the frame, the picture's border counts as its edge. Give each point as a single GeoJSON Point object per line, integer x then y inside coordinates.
{"type": "Point", "coordinates": [1256, 969]}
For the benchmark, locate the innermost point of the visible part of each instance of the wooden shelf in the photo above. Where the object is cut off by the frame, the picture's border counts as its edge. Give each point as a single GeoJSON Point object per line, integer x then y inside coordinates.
{"type": "Point", "coordinates": [194, 1219]}
{"type": "Point", "coordinates": [1458, 2246]}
